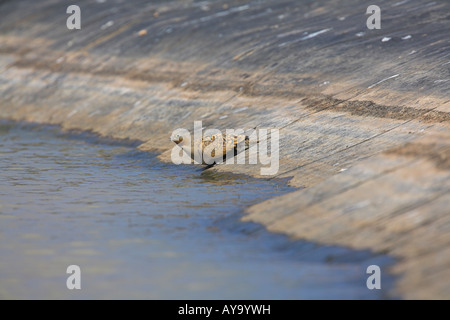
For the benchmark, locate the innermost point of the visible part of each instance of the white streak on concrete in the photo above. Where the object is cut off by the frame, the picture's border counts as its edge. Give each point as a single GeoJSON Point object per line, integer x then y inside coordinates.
{"type": "Point", "coordinates": [309, 36]}
{"type": "Point", "coordinates": [107, 25]}
{"type": "Point", "coordinates": [375, 84]}
{"type": "Point", "coordinates": [240, 109]}
{"type": "Point", "coordinates": [400, 3]}
{"type": "Point", "coordinates": [315, 34]}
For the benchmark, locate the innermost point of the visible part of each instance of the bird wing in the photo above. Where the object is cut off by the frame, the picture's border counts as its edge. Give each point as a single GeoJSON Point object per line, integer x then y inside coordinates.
{"type": "Point", "coordinates": [228, 143]}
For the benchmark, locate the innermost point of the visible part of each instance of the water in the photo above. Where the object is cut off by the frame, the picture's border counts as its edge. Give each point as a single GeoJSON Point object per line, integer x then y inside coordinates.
{"type": "Point", "coordinates": [139, 228]}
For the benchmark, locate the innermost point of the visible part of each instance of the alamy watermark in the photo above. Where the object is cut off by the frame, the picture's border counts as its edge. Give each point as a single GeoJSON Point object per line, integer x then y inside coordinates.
{"type": "Point", "coordinates": [74, 20]}
{"type": "Point", "coordinates": [374, 280]}
{"type": "Point", "coordinates": [374, 20]}
{"type": "Point", "coordinates": [74, 280]}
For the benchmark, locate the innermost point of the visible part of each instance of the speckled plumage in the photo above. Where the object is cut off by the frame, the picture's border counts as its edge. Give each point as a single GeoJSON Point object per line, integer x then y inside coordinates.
{"type": "Point", "coordinates": [208, 145]}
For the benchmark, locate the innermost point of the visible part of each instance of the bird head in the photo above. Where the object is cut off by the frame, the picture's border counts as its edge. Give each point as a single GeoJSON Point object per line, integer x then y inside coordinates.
{"type": "Point", "coordinates": [177, 138]}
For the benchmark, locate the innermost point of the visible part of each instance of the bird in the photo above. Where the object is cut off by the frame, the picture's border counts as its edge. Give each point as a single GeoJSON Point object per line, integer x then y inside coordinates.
{"type": "Point", "coordinates": [208, 145]}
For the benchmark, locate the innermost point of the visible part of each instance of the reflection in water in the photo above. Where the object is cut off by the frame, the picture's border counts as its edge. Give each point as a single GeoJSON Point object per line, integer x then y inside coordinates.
{"type": "Point", "coordinates": [139, 228]}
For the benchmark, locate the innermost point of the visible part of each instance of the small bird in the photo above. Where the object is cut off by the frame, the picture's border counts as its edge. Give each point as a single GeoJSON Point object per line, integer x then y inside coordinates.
{"type": "Point", "coordinates": [208, 145]}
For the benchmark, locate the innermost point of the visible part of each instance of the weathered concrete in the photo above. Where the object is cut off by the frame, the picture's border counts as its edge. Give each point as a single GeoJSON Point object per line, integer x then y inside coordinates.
{"type": "Point", "coordinates": [364, 124]}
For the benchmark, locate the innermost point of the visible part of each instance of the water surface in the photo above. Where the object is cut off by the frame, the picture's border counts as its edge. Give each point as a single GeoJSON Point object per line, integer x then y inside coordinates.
{"type": "Point", "coordinates": [139, 228]}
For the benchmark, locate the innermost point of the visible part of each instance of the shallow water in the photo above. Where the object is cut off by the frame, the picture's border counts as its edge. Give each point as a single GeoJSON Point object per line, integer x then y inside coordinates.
{"type": "Point", "coordinates": [139, 228]}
